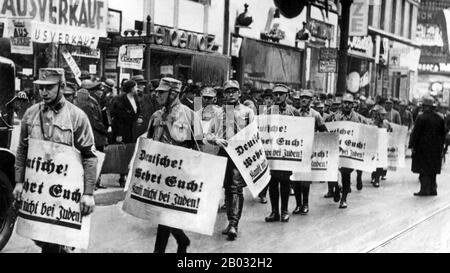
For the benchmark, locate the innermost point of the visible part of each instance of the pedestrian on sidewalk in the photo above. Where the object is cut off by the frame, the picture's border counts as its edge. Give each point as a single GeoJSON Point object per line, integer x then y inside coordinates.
{"type": "Point", "coordinates": [233, 118]}
{"type": "Point", "coordinates": [427, 143]}
{"type": "Point", "coordinates": [174, 124]}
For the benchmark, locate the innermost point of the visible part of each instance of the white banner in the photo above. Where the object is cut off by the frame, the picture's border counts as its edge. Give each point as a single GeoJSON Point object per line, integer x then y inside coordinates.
{"type": "Point", "coordinates": [357, 144]}
{"type": "Point", "coordinates": [397, 146]}
{"type": "Point", "coordinates": [382, 149]}
{"type": "Point", "coordinates": [72, 64]}
{"type": "Point", "coordinates": [287, 141]}
{"type": "Point", "coordinates": [325, 159]}
{"type": "Point", "coordinates": [170, 185]}
{"type": "Point", "coordinates": [247, 153]}
{"type": "Point", "coordinates": [79, 22]}
{"type": "Point", "coordinates": [125, 61]}
{"type": "Point", "coordinates": [20, 36]}
{"type": "Point", "coordinates": [52, 191]}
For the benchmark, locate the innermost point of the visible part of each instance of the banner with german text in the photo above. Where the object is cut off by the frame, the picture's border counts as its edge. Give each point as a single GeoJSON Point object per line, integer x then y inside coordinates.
{"type": "Point", "coordinates": [287, 141]}
{"type": "Point", "coordinates": [175, 186]}
{"type": "Point", "coordinates": [247, 153]}
{"type": "Point", "coordinates": [397, 146]}
{"type": "Point", "coordinates": [358, 144]}
{"type": "Point", "coordinates": [52, 191]}
{"type": "Point", "coordinates": [324, 159]}
{"type": "Point", "coordinates": [382, 149]}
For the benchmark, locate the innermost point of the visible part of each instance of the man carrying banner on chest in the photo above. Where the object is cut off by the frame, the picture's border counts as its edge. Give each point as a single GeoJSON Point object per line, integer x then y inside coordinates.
{"type": "Point", "coordinates": [56, 122]}
{"type": "Point", "coordinates": [174, 124]}
{"type": "Point", "coordinates": [302, 102]}
{"type": "Point", "coordinates": [346, 114]}
{"type": "Point", "coordinates": [279, 184]}
{"type": "Point", "coordinates": [234, 117]}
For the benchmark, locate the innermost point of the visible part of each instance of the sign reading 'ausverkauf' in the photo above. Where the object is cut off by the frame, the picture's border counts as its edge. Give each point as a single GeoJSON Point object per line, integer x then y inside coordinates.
{"type": "Point", "coordinates": [79, 22]}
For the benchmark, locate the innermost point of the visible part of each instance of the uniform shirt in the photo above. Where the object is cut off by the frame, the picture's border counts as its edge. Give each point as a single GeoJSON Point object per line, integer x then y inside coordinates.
{"type": "Point", "coordinates": [394, 116]}
{"type": "Point", "coordinates": [319, 125]}
{"type": "Point", "coordinates": [228, 123]}
{"type": "Point", "coordinates": [57, 127]}
{"type": "Point", "coordinates": [176, 126]}
{"type": "Point", "coordinates": [284, 110]}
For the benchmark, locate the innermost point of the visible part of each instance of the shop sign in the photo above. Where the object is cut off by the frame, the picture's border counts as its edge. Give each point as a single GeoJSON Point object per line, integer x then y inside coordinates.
{"type": "Point", "coordinates": [114, 21]}
{"type": "Point", "coordinates": [358, 18]}
{"type": "Point", "coordinates": [86, 52]}
{"type": "Point", "coordinates": [319, 29]}
{"type": "Point", "coordinates": [328, 53]}
{"type": "Point", "coordinates": [183, 39]}
{"type": "Point", "coordinates": [166, 70]}
{"type": "Point", "coordinates": [19, 36]}
{"type": "Point", "coordinates": [110, 64]}
{"type": "Point", "coordinates": [429, 35]}
{"type": "Point", "coordinates": [362, 46]}
{"type": "Point", "coordinates": [72, 64]}
{"type": "Point", "coordinates": [327, 66]}
{"type": "Point", "coordinates": [401, 55]}
{"type": "Point", "coordinates": [236, 43]}
{"type": "Point", "coordinates": [130, 59]}
{"type": "Point", "coordinates": [437, 67]}
{"type": "Point", "coordinates": [79, 22]}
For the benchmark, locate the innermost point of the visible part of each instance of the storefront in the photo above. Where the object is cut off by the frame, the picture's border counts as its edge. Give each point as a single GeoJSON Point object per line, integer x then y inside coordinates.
{"type": "Point", "coordinates": [265, 63]}
{"type": "Point", "coordinates": [36, 35]}
{"type": "Point", "coordinates": [361, 66]}
{"type": "Point", "coordinates": [167, 52]}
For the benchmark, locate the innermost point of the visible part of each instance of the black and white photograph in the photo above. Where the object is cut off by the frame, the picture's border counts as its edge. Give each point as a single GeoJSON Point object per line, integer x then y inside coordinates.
{"type": "Point", "coordinates": [218, 127]}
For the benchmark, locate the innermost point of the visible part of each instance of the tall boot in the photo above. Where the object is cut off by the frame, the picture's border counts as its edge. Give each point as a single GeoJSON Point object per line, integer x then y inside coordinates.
{"type": "Point", "coordinates": [237, 205]}
{"type": "Point", "coordinates": [298, 198]}
{"type": "Point", "coordinates": [330, 192]}
{"type": "Point", "coordinates": [359, 184]}
{"type": "Point", "coordinates": [423, 186]}
{"type": "Point", "coordinates": [305, 186]}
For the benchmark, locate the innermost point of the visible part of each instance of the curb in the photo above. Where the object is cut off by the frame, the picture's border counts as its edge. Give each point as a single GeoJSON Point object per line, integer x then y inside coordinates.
{"type": "Point", "coordinates": [108, 197]}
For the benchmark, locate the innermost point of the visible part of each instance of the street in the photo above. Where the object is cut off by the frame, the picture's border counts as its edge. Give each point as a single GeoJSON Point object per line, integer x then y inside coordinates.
{"type": "Point", "coordinates": [387, 219]}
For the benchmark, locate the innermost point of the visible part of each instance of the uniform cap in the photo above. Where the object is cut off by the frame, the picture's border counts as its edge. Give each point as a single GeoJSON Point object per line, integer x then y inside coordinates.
{"type": "Point", "coordinates": [109, 83]}
{"type": "Point", "coordinates": [69, 89]}
{"type": "Point", "coordinates": [167, 84]}
{"type": "Point", "coordinates": [209, 92]}
{"type": "Point", "coordinates": [319, 104]}
{"type": "Point", "coordinates": [267, 93]}
{"type": "Point", "coordinates": [306, 93]}
{"type": "Point", "coordinates": [296, 95]}
{"type": "Point", "coordinates": [231, 84]}
{"type": "Point", "coordinates": [380, 109]}
{"type": "Point", "coordinates": [89, 84]}
{"type": "Point", "coordinates": [337, 101]}
{"type": "Point", "coordinates": [51, 76]}
{"type": "Point", "coordinates": [370, 102]}
{"type": "Point", "coordinates": [428, 100]}
{"type": "Point", "coordinates": [348, 98]}
{"type": "Point", "coordinates": [280, 88]}
{"type": "Point", "coordinates": [362, 98]}
{"type": "Point", "coordinates": [139, 79]}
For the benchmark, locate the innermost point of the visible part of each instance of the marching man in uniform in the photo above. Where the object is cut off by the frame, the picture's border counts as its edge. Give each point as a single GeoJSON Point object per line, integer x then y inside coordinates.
{"type": "Point", "coordinates": [234, 117]}
{"type": "Point", "coordinates": [174, 124]}
{"type": "Point", "coordinates": [57, 120]}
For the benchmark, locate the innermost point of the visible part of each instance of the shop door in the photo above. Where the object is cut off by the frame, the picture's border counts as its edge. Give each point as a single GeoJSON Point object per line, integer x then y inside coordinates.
{"type": "Point", "coordinates": [183, 73]}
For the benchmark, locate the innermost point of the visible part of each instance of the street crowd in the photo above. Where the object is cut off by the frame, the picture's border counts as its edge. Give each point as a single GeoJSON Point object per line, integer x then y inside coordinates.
{"type": "Point", "coordinates": [100, 113]}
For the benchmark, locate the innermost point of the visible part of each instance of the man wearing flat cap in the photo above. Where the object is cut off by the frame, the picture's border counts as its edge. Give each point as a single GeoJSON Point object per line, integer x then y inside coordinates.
{"type": "Point", "coordinates": [345, 114]}
{"type": "Point", "coordinates": [280, 182]}
{"type": "Point", "coordinates": [59, 121]}
{"type": "Point", "coordinates": [233, 118]}
{"type": "Point", "coordinates": [427, 143]}
{"type": "Point", "coordinates": [174, 124]}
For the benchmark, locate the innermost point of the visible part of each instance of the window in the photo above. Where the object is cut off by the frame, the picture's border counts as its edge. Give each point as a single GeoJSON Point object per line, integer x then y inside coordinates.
{"type": "Point", "coordinates": [371, 22]}
{"type": "Point", "coordinates": [402, 22]}
{"type": "Point", "coordinates": [382, 14]}
{"type": "Point", "coordinates": [393, 14]}
{"type": "Point", "coordinates": [411, 24]}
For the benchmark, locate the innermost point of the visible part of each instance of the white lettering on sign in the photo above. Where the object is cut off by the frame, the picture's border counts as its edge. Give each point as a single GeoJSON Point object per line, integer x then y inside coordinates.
{"type": "Point", "coordinates": [361, 46]}
{"type": "Point", "coordinates": [440, 67]}
{"type": "Point", "coordinates": [358, 18]}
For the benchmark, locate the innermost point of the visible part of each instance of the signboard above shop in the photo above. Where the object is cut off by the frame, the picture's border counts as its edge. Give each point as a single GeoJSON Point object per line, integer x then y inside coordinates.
{"type": "Point", "coordinates": [361, 46]}
{"type": "Point", "coordinates": [80, 22]}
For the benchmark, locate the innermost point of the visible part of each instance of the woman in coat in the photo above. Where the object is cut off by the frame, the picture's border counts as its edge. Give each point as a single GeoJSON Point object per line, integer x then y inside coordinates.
{"type": "Point", "coordinates": [126, 116]}
{"type": "Point", "coordinates": [427, 143]}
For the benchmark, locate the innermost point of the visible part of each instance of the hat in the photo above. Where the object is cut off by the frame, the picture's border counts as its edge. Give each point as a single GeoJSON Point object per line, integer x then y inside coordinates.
{"type": "Point", "coordinates": [306, 93]}
{"type": "Point", "coordinates": [209, 92]}
{"type": "Point", "coordinates": [395, 100]}
{"type": "Point", "coordinates": [51, 76]}
{"type": "Point", "coordinates": [347, 97]}
{"type": "Point", "coordinates": [70, 89]}
{"type": "Point", "coordinates": [89, 85]}
{"type": "Point", "coordinates": [296, 95]}
{"type": "Point", "coordinates": [390, 101]}
{"type": "Point", "coordinates": [362, 98]}
{"type": "Point", "coordinates": [139, 79]}
{"type": "Point", "coordinates": [167, 84]}
{"type": "Point", "coordinates": [428, 100]}
{"type": "Point", "coordinates": [380, 109]}
{"type": "Point", "coordinates": [109, 83]}
{"type": "Point", "coordinates": [267, 93]}
{"type": "Point", "coordinates": [231, 84]}
{"type": "Point", "coordinates": [128, 85]}
{"type": "Point", "coordinates": [337, 101]}
{"type": "Point", "coordinates": [403, 103]}
{"type": "Point", "coordinates": [370, 102]}
{"type": "Point", "coordinates": [319, 104]}
{"type": "Point", "coordinates": [280, 88]}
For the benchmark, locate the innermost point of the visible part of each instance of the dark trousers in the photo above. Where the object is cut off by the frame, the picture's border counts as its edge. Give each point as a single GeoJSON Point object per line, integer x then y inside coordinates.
{"type": "Point", "coordinates": [301, 192]}
{"type": "Point", "coordinates": [358, 176]}
{"type": "Point", "coordinates": [428, 183]}
{"type": "Point", "coordinates": [279, 185]}
{"type": "Point", "coordinates": [50, 248]}
{"type": "Point", "coordinates": [346, 176]}
{"type": "Point", "coordinates": [263, 193]}
{"type": "Point", "coordinates": [376, 175]}
{"type": "Point", "coordinates": [234, 194]}
{"type": "Point", "coordinates": [162, 237]}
